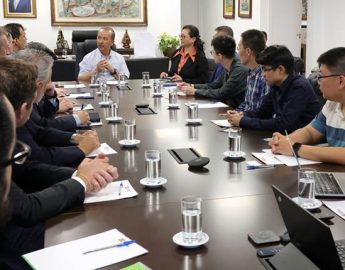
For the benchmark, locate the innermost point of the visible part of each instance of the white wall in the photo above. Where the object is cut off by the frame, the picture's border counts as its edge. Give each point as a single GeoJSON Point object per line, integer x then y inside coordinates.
{"type": "Point", "coordinates": [211, 16]}
{"type": "Point", "coordinates": [325, 29]}
{"type": "Point", "coordinates": [190, 12]}
{"type": "Point", "coordinates": [163, 15]}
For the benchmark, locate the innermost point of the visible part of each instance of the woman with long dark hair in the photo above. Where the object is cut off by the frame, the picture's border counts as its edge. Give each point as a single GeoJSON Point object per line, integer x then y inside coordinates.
{"type": "Point", "coordinates": [189, 63]}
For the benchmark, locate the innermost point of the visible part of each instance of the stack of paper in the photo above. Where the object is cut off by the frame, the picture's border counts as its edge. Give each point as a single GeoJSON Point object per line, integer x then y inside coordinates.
{"type": "Point", "coordinates": [114, 191]}
{"type": "Point", "coordinates": [79, 95]}
{"type": "Point", "coordinates": [85, 108]}
{"type": "Point", "coordinates": [74, 86]}
{"type": "Point", "coordinates": [104, 148]}
{"type": "Point", "coordinates": [269, 158]}
{"type": "Point", "coordinates": [76, 254]}
{"type": "Point", "coordinates": [221, 123]}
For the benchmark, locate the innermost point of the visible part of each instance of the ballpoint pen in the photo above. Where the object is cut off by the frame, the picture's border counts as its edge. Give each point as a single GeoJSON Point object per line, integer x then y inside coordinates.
{"type": "Point", "coordinates": [122, 244]}
{"type": "Point", "coordinates": [82, 107]}
{"type": "Point", "coordinates": [293, 152]}
{"type": "Point", "coordinates": [121, 187]}
{"type": "Point", "coordinates": [252, 167]}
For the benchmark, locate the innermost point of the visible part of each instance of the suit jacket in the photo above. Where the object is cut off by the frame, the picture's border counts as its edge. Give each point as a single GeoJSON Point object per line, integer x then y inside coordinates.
{"type": "Point", "coordinates": [191, 72]}
{"type": "Point", "coordinates": [24, 6]}
{"type": "Point", "coordinates": [31, 208]}
{"type": "Point", "coordinates": [34, 176]}
{"type": "Point", "coordinates": [49, 145]}
{"type": "Point", "coordinates": [46, 108]}
{"type": "Point", "coordinates": [66, 123]}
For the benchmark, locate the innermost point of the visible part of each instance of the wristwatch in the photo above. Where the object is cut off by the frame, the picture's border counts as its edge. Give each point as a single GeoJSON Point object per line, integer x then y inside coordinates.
{"type": "Point", "coordinates": [296, 146]}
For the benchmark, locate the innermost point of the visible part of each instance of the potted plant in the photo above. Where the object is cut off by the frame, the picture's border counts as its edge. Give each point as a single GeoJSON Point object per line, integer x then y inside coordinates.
{"type": "Point", "coordinates": [168, 44]}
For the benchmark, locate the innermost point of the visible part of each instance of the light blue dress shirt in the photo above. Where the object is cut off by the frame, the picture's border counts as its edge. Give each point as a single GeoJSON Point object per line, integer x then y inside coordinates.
{"type": "Point", "coordinates": [91, 60]}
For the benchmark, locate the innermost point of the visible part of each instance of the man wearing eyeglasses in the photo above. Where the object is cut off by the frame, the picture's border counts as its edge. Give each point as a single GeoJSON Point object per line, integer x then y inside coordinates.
{"type": "Point", "coordinates": [21, 228]}
{"type": "Point", "coordinates": [291, 102]}
{"type": "Point", "coordinates": [329, 124]}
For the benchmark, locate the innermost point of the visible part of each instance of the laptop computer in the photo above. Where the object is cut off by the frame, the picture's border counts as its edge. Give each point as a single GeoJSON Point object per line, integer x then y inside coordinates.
{"type": "Point", "coordinates": [309, 234]}
{"type": "Point", "coordinates": [330, 185]}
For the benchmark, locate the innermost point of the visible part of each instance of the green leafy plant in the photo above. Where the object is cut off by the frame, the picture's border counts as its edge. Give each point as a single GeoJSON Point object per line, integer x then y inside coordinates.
{"type": "Point", "coordinates": [166, 42]}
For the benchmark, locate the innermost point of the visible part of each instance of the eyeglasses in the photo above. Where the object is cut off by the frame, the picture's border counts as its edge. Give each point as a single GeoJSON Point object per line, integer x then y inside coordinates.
{"type": "Point", "coordinates": [183, 36]}
{"type": "Point", "coordinates": [267, 69]}
{"type": "Point", "coordinates": [23, 151]}
{"type": "Point", "coordinates": [319, 77]}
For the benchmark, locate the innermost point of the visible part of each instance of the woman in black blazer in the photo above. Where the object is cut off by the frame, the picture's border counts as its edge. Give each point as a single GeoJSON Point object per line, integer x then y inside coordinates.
{"type": "Point", "coordinates": [189, 63]}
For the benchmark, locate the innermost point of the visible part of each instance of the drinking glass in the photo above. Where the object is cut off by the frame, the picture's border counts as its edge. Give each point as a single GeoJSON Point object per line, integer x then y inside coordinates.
{"type": "Point", "coordinates": [146, 78]}
{"type": "Point", "coordinates": [235, 140]}
{"type": "Point", "coordinates": [153, 164]}
{"type": "Point", "coordinates": [191, 218]}
{"type": "Point", "coordinates": [306, 187]}
{"type": "Point", "coordinates": [192, 110]}
{"type": "Point", "coordinates": [172, 96]}
{"type": "Point", "coordinates": [129, 129]}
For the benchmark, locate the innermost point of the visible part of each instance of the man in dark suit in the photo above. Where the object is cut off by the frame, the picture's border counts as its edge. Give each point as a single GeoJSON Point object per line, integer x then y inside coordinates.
{"type": "Point", "coordinates": [19, 6]}
{"type": "Point", "coordinates": [21, 228]}
{"type": "Point", "coordinates": [50, 145]}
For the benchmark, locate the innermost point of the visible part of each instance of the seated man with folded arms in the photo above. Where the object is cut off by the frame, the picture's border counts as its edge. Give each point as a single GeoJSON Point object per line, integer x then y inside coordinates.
{"type": "Point", "coordinates": [66, 122]}
{"type": "Point", "coordinates": [50, 145]}
{"type": "Point", "coordinates": [103, 61]}
{"type": "Point", "coordinates": [329, 124]}
{"type": "Point", "coordinates": [291, 102]}
{"type": "Point", "coordinates": [21, 214]}
{"type": "Point", "coordinates": [230, 86]}
{"type": "Point", "coordinates": [251, 44]}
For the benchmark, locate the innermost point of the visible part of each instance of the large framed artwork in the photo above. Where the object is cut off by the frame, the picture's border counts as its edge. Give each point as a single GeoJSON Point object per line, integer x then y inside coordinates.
{"type": "Point", "coordinates": [19, 9]}
{"type": "Point", "coordinates": [245, 8]}
{"type": "Point", "coordinates": [229, 9]}
{"type": "Point", "coordinates": [99, 12]}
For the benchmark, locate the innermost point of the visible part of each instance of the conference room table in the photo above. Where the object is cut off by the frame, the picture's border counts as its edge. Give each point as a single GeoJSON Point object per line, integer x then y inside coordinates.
{"type": "Point", "coordinates": [236, 200]}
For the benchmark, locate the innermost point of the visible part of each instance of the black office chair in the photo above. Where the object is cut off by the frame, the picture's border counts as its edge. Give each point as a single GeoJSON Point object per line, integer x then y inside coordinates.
{"type": "Point", "coordinates": [299, 66]}
{"type": "Point", "coordinates": [81, 36]}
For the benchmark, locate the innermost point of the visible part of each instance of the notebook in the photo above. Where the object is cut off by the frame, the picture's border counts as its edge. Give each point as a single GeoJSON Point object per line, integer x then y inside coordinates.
{"type": "Point", "coordinates": [309, 234]}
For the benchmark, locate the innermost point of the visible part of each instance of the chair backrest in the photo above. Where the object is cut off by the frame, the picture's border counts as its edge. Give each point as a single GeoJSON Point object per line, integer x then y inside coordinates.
{"type": "Point", "coordinates": [312, 78]}
{"type": "Point", "coordinates": [81, 36]}
{"type": "Point", "coordinates": [299, 66]}
{"type": "Point", "coordinates": [154, 65]}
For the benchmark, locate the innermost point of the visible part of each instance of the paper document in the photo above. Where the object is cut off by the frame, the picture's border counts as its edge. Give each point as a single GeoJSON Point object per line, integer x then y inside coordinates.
{"type": "Point", "coordinates": [114, 191]}
{"type": "Point", "coordinates": [74, 86]}
{"type": "Point", "coordinates": [95, 124]}
{"type": "Point", "coordinates": [104, 148]}
{"type": "Point", "coordinates": [86, 108]}
{"type": "Point", "coordinates": [269, 158]}
{"type": "Point", "coordinates": [112, 82]}
{"type": "Point", "coordinates": [70, 255]}
{"type": "Point", "coordinates": [337, 207]}
{"type": "Point", "coordinates": [221, 123]}
{"type": "Point", "coordinates": [79, 95]}
{"type": "Point", "coordinates": [211, 105]}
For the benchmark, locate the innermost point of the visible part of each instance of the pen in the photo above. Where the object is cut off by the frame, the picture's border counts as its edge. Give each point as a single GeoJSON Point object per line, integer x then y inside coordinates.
{"type": "Point", "coordinates": [293, 152]}
{"type": "Point", "coordinates": [122, 244]}
{"type": "Point", "coordinates": [252, 167]}
{"type": "Point", "coordinates": [82, 107]}
{"type": "Point", "coordinates": [121, 187]}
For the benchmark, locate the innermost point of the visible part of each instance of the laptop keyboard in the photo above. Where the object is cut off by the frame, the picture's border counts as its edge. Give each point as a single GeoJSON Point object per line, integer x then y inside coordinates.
{"type": "Point", "coordinates": [326, 184]}
{"type": "Point", "coordinates": [341, 252]}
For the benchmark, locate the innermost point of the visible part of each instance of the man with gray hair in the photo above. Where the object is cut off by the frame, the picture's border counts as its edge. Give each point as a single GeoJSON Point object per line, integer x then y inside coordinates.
{"type": "Point", "coordinates": [5, 42]}
{"type": "Point", "coordinates": [50, 102]}
{"type": "Point", "coordinates": [103, 61]}
{"type": "Point", "coordinates": [50, 145]}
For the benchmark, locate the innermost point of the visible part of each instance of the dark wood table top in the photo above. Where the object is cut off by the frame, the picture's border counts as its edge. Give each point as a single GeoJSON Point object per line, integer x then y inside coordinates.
{"type": "Point", "coordinates": [235, 200]}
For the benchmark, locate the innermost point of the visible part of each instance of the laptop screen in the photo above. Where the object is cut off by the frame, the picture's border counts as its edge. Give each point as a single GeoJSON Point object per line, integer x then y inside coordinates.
{"type": "Point", "coordinates": [309, 234]}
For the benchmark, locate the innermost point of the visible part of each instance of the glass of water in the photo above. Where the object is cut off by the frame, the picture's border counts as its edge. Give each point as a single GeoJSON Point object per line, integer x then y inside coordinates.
{"type": "Point", "coordinates": [192, 110]}
{"type": "Point", "coordinates": [306, 187]}
{"type": "Point", "coordinates": [153, 165]}
{"type": "Point", "coordinates": [172, 97]}
{"type": "Point", "coordinates": [122, 79]}
{"type": "Point", "coordinates": [146, 78]}
{"type": "Point", "coordinates": [129, 129]}
{"type": "Point", "coordinates": [191, 218]}
{"type": "Point", "coordinates": [235, 140]}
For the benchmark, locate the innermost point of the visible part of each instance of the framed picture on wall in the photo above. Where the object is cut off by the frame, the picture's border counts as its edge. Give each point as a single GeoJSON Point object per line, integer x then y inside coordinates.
{"type": "Point", "coordinates": [106, 12]}
{"type": "Point", "coordinates": [229, 9]}
{"type": "Point", "coordinates": [245, 8]}
{"type": "Point", "coordinates": [19, 9]}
